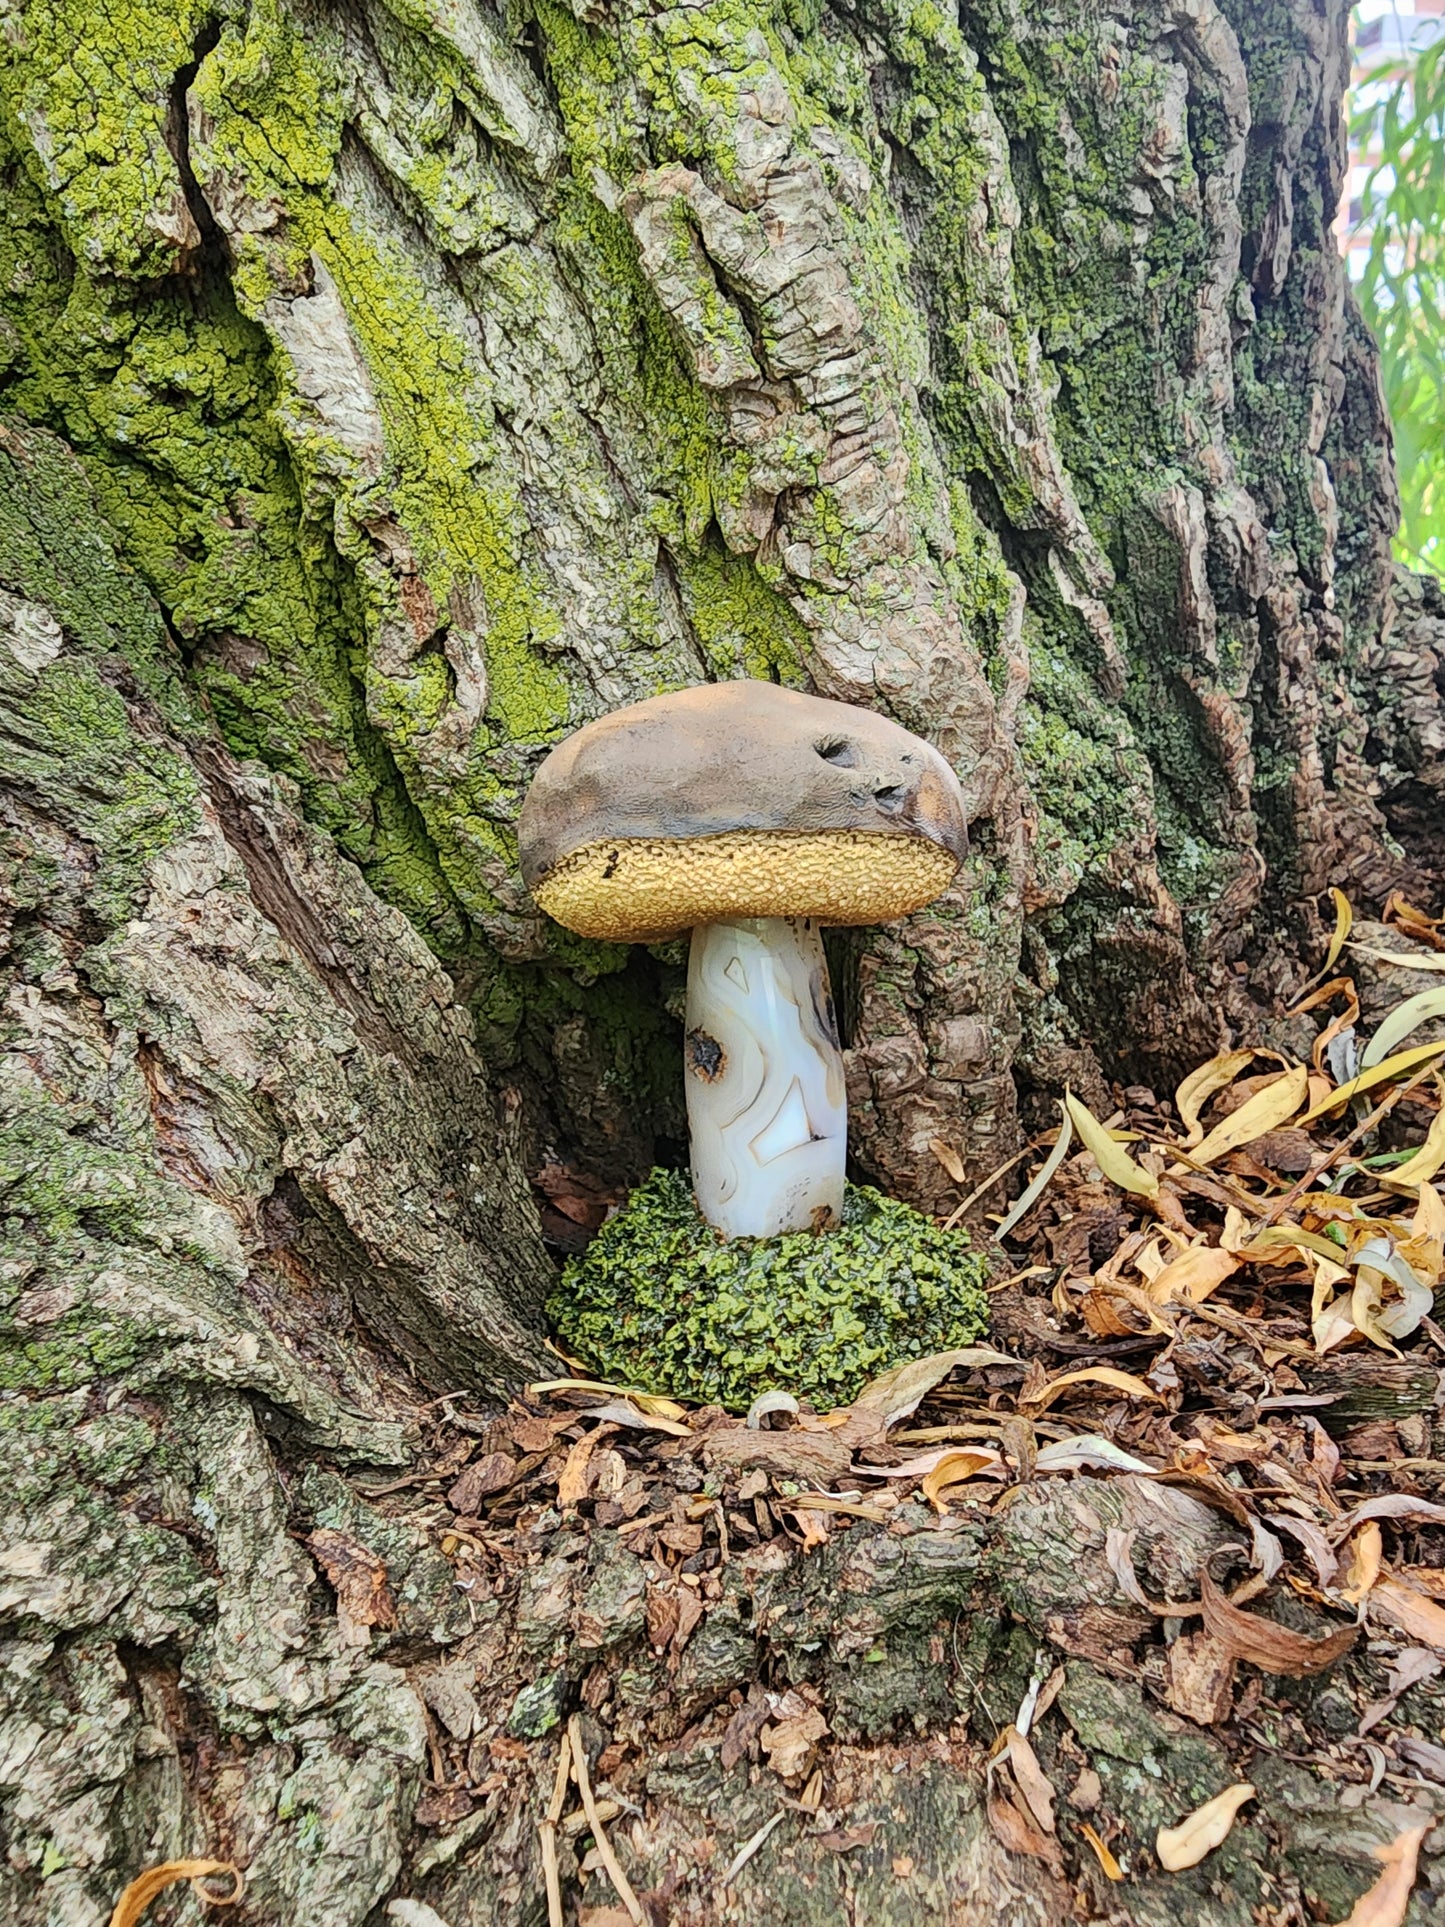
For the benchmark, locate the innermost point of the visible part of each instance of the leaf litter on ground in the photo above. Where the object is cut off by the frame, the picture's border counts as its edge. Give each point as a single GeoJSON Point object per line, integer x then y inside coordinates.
{"type": "Point", "coordinates": [1226, 1292]}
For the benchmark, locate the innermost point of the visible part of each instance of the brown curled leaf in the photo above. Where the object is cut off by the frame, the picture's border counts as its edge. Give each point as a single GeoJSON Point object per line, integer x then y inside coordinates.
{"type": "Point", "coordinates": [1264, 1642]}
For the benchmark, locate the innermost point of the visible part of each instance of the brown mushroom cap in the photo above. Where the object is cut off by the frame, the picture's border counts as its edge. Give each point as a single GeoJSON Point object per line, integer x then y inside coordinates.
{"type": "Point", "coordinates": [738, 799]}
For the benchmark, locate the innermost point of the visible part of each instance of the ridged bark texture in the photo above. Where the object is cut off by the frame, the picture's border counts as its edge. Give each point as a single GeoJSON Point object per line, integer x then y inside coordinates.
{"type": "Point", "coordinates": [454, 375]}
{"type": "Point", "coordinates": [390, 387]}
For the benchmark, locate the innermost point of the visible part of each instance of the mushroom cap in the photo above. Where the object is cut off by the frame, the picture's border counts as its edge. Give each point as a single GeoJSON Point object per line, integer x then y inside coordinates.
{"type": "Point", "coordinates": [738, 799]}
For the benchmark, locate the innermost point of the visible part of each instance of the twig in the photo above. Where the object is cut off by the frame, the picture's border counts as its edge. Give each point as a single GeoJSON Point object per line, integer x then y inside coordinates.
{"type": "Point", "coordinates": [749, 1847]}
{"type": "Point", "coordinates": [399, 1485]}
{"type": "Point", "coordinates": [547, 1833]}
{"type": "Point", "coordinates": [594, 1821]}
{"type": "Point", "coordinates": [1382, 1109]}
{"type": "Point", "coordinates": [983, 1189]}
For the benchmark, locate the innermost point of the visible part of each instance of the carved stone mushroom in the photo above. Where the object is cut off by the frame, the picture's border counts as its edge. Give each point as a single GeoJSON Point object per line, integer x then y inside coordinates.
{"type": "Point", "coordinates": [752, 816]}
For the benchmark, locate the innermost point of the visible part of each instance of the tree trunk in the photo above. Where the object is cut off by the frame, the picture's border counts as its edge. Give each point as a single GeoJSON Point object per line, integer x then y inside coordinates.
{"type": "Point", "coordinates": [390, 388]}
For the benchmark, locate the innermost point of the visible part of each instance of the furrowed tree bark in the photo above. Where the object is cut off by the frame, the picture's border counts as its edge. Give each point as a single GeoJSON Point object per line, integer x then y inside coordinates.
{"type": "Point", "coordinates": [387, 390]}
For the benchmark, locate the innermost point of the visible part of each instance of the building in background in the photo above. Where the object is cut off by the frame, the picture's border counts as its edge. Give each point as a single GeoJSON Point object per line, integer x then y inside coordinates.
{"type": "Point", "coordinates": [1387, 39]}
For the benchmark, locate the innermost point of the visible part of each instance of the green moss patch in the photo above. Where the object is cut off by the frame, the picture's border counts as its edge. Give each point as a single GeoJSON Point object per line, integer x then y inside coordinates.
{"type": "Point", "coordinates": [660, 1301]}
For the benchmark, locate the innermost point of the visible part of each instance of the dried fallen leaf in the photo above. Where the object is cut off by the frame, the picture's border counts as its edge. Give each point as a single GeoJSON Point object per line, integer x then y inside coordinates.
{"type": "Point", "coordinates": [662, 1616]}
{"type": "Point", "coordinates": [844, 1839]}
{"type": "Point", "coordinates": [1424, 1754]}
{"type": "Point", "coordinates": [1199, 1678]}
{"type": "Point", "coordinates": [144, 1888]}
{"type": "Point", "coordinates": [1392, 1068]}
{"type": "Point", "coordinates": [789, 1744]}
{"type": "Point", "coordinates": [1087, 1449]}
{"type": "Point", "coordinates": [1112, 1159]}
{"type": "Point", "coordinates": [952, 1469]}
{"type": "Point", "coordinates": [1024, 1204]}
{"type": "Point", "coordinates": [1012, 1825]}
{"type": "Point", "coordinates": [948, 1157]}
{"type": "Point", "coordinates": [894, 1394]}
{"type": "Point", "coordinates": [622, 1411]}
{"type": "Point", "coordinates": [1412, 922]}
{"type": "Point", "coordinates": [1110, 1866]}
{"type": "Point", "coordinates": [1200, 1832]}
{"type": "Point", "coordinates": [1264, 1642]}
{"type": "Point", "coordinates": [1193, 1275]}
{"type": "Point", "coordinates": [1392, 1505]}
{"type": "Point", "coordinates": [1426, 1162]}
{"type": "Point", "coordinates": [812, 1525]}
{"type": "Point", "coordinates": [1265, 1111]}
{"type": "Point", "coordinates": [1413, 1665]}
{"type": "Point", "coordinates": [491, 1473]}
{"type": "Point", "coordinates": [1409, 1611]}
{"type": "Point", "coordinates": [923, 1463]}
{"type": "Point", "coordinates": [358, 1578]}
{"type": "Point", "coordinates": [1201, 1084]}
{"type": "Point", "coordinates": [1386, 1902]}
{"type": "Point", "coordinates": [689, 1612]}
{"type": "Point", "coordinates": [1108, 1375]}
{"type": "Point", "coordinates": [1033, 1782]}
{"type": "Point", "coordinates": [572, 1486]}
{"type": "Point", "coordinates": [1366, 1554]}
{"type": "Point", "coordinates": [1119, 1554]}
{"type": "Point", "coordinates": [650, 1402]}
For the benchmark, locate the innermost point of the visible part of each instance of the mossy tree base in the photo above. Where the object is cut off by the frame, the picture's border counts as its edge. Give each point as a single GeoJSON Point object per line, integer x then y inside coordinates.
{"type": "Point", "coordinates": [993, 367]}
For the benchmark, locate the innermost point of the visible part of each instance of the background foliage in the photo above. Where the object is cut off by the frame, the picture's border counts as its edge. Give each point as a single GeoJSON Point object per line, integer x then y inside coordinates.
{"type": "Point", "coordinates": [1402, 289]}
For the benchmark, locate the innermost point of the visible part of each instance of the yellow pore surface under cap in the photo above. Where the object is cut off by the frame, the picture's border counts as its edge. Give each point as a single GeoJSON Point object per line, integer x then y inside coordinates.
{"type": "Point", "coordinates": [645, 888]}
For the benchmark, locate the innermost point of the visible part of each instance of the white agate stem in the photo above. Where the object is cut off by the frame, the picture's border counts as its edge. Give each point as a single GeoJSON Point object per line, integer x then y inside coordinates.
{"type": "Point", "coordinates": [766, 1104]}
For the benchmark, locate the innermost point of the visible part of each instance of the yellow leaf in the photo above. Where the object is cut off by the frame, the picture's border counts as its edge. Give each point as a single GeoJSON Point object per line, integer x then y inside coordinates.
{"type": "Point", "coordinates": [952, 1469]}
{"type": "Point", "coordinates": [1115, 1163]}
{"type": "Point", "coordinates": [1330, 1318]}
{"type": "Point", "coordinates": [650, 1402]}
{"type": "Point", "coordinates": [1200, 1832]}
{"type": "Point", "coordinates": [1281, 1244]}
{"type": "Point", "coordinates": [1426, 1161]}
{"type": "Point", "coordinates": [1424, 1249]}
{"type": "Point", "coordinates": [1393, 1067]}
{"type": "Point", "coordinates": [1111, 1868]}
{"type": "Point", "coordinates": [1366, 1555]}
{"type": "Point", "coordinates": [1108, 1375]}
{"type": "Point", "coordinates": [1201, 1084]}
{"type": "Point", "coordinates": [1265, 1111]}
{"type": "Point", "coordinates": [145, 1887]}
{"type": "Point", "coordinates": [1402, 959]}
{"type": "Point", "coordinates": [1344, 923]}
{"type": "Point", "coordinates": [1398, 1023]}
{"type": "Point", "coordinates": [1386, 1903]}
{"type": "Point", "coordinates": [1196, 1276]}
{"type": "Point", "coordinates": [1193, 1275]}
